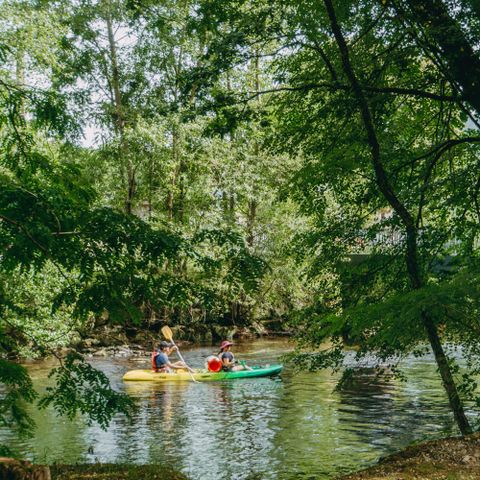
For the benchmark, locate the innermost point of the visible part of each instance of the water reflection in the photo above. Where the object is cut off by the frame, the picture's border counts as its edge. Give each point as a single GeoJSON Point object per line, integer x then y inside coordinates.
{"type": "Point", "coordinates": [294, 426]}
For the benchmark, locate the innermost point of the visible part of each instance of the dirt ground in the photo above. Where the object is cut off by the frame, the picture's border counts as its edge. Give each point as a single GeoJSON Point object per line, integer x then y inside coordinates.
{"type": "Point", "coordinates": [448, 459]}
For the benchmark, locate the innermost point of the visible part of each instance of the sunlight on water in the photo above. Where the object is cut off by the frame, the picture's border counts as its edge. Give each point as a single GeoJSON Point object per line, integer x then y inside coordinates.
{"type": "Point", "coordinates": [295, 425]}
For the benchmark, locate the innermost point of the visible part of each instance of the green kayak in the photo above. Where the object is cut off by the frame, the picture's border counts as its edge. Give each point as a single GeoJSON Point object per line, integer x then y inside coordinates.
{"type": "Point", "coordinates": [200, 375]}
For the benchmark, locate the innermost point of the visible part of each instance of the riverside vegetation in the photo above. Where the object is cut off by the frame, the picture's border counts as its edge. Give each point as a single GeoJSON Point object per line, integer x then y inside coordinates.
{"type": "Point", "coordinates": [224, 166]}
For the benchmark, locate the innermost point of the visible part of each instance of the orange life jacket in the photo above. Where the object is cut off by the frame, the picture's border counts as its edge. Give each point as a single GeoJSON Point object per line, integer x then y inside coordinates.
{"type": "Point", "coordinates": [154, 363]}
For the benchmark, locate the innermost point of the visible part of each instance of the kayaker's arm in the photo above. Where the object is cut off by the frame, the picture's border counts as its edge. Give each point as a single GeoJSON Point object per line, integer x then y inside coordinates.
{"type": "Point", "coordinates": [227, 362]}
{"type": "Point", "coordinates": [180, 366]}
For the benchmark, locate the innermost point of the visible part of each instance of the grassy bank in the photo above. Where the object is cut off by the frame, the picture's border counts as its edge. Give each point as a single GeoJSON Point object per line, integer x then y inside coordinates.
{"type": "Point", "coordinates": [447, 459]}
{"type": "Point", "coordinates": [114, 472]}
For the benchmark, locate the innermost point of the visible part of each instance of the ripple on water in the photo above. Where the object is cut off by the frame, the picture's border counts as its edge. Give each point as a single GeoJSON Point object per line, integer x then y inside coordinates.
{"type": "Point", "coordinates": [297, 425]}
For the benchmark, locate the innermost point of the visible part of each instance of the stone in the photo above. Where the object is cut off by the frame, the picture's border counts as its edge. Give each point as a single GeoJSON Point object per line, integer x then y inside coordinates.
{"type": "Point", "coordinates": [468, 459]}
{"type": "Point", "coordinates": [102, 352]}
{"type": "Point", "coordinates": [91, 342]}
{"type": "Point", "coordinates": [12, 469]}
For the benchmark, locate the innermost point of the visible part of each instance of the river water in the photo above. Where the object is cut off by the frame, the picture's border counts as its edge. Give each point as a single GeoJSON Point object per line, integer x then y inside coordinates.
{"type": "Point", "coordinates": [291, 427]}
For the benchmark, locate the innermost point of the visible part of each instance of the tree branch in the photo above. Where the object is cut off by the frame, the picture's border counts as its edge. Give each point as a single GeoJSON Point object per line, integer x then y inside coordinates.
{"type": "Point", "coordinates": [27, 233]}
{"type": "Point", "coordinates": [413, 92]}
{"type": "Point", "coordinates": [442, 147]}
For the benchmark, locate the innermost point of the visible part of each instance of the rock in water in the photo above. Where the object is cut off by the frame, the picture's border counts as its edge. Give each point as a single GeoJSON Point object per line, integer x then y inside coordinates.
{"type": "Point", "coordinates": [11, 469]}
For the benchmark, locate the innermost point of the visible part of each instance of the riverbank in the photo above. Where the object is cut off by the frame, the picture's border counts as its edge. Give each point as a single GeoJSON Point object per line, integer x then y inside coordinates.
{"type": "Point", "coordinates": [114, 472]}
{"type": "Point", "coordinates": [111, 341]}
{"type": "Point", "coordinates": [452, 458]}
{"type": "Point", "coordinates": [447, 459]}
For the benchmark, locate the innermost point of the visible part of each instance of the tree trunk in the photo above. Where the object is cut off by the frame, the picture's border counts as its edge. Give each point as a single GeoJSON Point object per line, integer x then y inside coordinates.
{"type": "Point", "coordinates": [411, 232]}
{"type": "Point", "coordinates": [446, 374]}
{"type": "Point", "coordinates": [119, 120]}
{"type": "Point", "coordinates": [20, 74]}
{"type": "Point", "coordinates": [252, 203]}
{"type": "Point", "coordinates": [176, 203]}
{"type": "Point", "coordinates": [169, 201]}
{"type": "Point", "coordinates": [251, 217]}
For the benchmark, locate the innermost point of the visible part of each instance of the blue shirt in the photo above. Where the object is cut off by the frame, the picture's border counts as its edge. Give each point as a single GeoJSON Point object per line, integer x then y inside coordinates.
{"type": "Point", "coordinates": [161, 360]}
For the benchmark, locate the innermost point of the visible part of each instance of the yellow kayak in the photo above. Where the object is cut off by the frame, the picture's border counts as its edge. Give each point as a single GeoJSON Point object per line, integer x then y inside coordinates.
{"type": "Point", "coordinates": [200, 375]}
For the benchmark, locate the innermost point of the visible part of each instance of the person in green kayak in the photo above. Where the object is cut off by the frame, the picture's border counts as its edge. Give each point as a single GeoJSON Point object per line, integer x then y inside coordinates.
{"type": "Point", "coordinates": [161, 362]}
{"type": "Point", "coordinates": [229, 364]}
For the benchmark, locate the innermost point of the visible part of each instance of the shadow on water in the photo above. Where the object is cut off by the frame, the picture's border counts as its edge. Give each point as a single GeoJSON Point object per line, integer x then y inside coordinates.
{"type": "Point", "coordinates": [294, 426]}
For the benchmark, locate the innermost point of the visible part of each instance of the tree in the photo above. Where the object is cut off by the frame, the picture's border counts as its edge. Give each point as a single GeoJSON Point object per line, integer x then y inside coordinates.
{"type": "Point", "coordinates": [407, 219]}
{"type": "Point", "coordinates": [96, 259]}
{"type": "Point", "coordinates": [358, 100]}
{"type": "Point", "coordinates": [442, 38]}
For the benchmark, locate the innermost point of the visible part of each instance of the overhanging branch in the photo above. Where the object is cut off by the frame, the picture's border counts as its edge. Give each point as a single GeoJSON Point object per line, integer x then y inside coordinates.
{"type": "Point", "coordinates": [412, 92]}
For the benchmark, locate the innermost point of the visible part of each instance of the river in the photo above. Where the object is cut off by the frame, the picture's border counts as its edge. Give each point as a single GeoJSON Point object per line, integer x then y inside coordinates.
{"type": "Point", "coordinates": [292, 426]}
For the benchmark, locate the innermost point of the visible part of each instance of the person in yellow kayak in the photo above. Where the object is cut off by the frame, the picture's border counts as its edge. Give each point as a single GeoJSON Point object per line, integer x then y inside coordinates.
{"type": "Point", "coordinates": [229, 364]}
{"type": "Point", "coordinates": [161, 362]}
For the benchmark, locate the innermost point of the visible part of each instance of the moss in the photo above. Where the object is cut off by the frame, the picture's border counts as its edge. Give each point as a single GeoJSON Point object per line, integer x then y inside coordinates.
{"type": "Point", "coordinates": [114, 472]}
{"type": "Point", "coordinates": [427, 468]}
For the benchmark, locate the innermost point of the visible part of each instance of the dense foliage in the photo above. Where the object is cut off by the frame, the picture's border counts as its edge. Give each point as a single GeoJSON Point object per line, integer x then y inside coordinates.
{"type": "Point", "coordinates": [118, 204]}
{"type": "Point", "coordinates": [378, 98]}
{"type": "Point", "coordinates": [219, 163]}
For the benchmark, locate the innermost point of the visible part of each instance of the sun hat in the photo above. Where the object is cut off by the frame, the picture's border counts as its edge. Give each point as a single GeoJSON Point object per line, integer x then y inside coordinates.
{"type": "Point", "coordinates": [225, 344]}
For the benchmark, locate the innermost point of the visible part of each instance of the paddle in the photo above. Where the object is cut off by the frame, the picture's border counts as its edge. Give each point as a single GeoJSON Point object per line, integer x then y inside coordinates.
{"type": "Point", "coordinates": [168, 334]}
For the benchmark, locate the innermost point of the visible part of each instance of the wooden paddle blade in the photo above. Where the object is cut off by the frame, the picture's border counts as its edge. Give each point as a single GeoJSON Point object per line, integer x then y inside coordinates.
{"type": "Point", "coordinates": [167, 333]}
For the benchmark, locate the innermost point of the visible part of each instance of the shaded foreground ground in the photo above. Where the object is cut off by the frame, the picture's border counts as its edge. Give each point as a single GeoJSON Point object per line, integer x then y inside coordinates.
{"type": "Point", "coordinates": [448, 459]}
{"type": "Point", "coordinates": [114, 472]}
